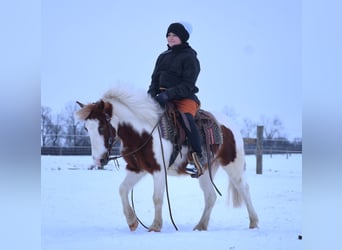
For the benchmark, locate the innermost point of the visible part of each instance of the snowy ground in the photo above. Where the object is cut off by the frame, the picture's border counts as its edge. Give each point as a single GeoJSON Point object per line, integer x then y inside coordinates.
{"type": "Point", "coordinates": [81, 209]}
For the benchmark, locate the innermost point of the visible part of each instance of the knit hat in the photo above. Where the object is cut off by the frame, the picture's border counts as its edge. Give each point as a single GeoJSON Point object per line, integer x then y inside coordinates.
{"type": "Point", "coordinates": [182, 30]}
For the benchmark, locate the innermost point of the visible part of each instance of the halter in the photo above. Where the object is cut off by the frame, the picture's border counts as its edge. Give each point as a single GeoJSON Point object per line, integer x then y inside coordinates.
{"type": "Point", "coordinates": [111, 140]}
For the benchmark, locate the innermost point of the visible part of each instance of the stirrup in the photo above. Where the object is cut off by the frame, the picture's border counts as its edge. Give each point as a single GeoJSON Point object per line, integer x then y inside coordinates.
{"type": "Point", "coordinates": [197, 164]}
{"type": "Point", "coordinates": [192, 170]}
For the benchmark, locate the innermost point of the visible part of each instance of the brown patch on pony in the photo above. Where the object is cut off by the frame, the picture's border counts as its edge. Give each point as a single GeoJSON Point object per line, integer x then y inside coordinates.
{"type": "Point", "coordinates": [101, 111]}
{"type": "Point", "coordinates": [227, 153]}
{"type": "Point", "coordinates": [137, 150]}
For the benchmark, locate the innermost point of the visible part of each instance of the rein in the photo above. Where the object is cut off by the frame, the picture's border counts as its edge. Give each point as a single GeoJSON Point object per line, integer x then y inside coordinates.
{"type": "Point", "coordinates": [135, 150]}
{"type": "Point", "coordinates": [166, 185]}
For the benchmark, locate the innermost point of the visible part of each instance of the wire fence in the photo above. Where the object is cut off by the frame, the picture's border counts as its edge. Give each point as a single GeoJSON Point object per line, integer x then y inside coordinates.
{"type": "Point", "coordinates": [269, 146]}
{"type": "Point", "coordinates": [273, 146]}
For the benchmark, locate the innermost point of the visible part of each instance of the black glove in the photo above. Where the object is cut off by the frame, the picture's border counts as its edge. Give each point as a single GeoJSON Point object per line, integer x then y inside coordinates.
{"type": "Point", "coordinates": [162, 99]}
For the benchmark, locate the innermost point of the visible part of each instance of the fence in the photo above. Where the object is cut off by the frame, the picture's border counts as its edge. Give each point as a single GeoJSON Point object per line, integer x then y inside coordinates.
{"type": "Point", "coordinates": [272, 146]}
{"type": "Point", "coordinates": [250, 144]}
{"type": "Point", "coordinates": [73, 150]}
{"type": "Point", "coordinates": [258, 146]}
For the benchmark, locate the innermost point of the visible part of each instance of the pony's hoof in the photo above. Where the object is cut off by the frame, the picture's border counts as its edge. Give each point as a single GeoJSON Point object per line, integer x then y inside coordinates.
{"type": "Point", "coordinates": [154, 230]}
{"type": "Point", "coordinates": [200, 227]}
{"type": "Point", "coordinates": [133, 226]}
{"type": "Point", "coordinates": [253, 225]}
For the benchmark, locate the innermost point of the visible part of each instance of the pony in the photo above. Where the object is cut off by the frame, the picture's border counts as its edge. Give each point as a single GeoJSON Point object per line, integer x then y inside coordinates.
{"type": "Point", "coordinates": [133, 117]}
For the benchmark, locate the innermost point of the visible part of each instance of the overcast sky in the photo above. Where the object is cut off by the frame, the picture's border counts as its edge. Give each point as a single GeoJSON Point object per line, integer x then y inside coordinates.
{"type": "Point", "coordinates": [250, 52]}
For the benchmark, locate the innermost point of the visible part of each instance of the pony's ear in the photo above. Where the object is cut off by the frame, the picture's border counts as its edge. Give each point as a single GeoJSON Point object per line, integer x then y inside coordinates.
{"type": "Point", "coordinates": [80, 104]}
{"type": "Point", "coordinates": [108, 109]}
{"type": "Point", "coordinates": [100, 105]}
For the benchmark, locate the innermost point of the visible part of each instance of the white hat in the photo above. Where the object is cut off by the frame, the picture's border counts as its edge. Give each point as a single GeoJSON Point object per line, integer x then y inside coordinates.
{"type": "Point", "coordinates": [187, 26]}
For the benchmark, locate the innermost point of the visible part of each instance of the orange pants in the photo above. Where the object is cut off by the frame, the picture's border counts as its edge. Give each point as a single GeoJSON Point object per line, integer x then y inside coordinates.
{"type": "Point", "coordinates": [187, 106]}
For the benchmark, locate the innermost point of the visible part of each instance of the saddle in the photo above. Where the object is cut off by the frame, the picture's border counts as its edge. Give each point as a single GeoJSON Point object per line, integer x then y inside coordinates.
{"type": "Point", "coordinates": [172, 130]}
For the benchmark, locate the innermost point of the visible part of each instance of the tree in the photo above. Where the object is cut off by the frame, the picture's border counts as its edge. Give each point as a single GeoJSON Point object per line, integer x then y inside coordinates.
{"type": "Point", "coordinates": [45, 125]}
{"type": "Point", "coordinates": [272, 127]}
{"type": "Point", "coordinates": [50, 130]}
{"type": "Point", "coordinates": [249, 129]}
{"type": "Point", "coordinates": [75, 133]}
{"type": "Point", "coordinates": [56, 132]}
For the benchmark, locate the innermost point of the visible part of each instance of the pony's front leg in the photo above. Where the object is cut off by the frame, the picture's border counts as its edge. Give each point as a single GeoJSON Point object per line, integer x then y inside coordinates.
{"type": "Point", "coordinates": [158, 195]}
{"type": "Point", "coordinates": [126, 186]}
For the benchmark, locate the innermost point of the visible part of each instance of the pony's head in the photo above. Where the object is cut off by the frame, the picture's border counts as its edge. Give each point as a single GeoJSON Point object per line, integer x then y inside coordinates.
{"type": "Point", "coordinates": [119, 108]}
{"type": "Point", "coordinates": [96, 117]}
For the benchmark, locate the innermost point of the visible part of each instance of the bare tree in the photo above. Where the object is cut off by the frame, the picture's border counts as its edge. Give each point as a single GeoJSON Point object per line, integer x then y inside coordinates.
{"type": "Point", "coordinates": [56, 132]}
{"type": "Point", "coordinates": [74, 130]}
{"type": "Point", "coordinates": [249, 129]}
{"type": "Point", "coordinates": [45, 125]}
{"type": "Point", "coordinates": [50, 128]}
{"type": "Point", "coordinates": [273, 127]}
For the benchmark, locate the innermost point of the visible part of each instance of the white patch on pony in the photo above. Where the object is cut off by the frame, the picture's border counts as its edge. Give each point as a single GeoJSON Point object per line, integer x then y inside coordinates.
{"type": "Point", "coordinates": [97, 141]}
{"type": "Point", "coordinates": [162, 153]}
{"type": "Point", "coordinates": [133, 107]}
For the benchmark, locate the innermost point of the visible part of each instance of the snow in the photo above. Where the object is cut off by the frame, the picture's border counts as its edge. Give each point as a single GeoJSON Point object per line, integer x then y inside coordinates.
{"type": "Point", "coordinates": [81, 208]}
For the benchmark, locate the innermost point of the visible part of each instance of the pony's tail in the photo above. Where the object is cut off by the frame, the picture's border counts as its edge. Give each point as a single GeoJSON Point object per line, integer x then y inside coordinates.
{"type": "Point", "coordinates": [235, 195]}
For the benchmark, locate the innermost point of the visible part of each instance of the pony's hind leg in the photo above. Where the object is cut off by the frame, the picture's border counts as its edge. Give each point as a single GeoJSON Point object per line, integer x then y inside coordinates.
{"type": "Point", "coordinates": [239, 189]}
{"type": "Point", "coordinates": [209, 198]}
{"type": "Point", "coordinates": [126, 186]}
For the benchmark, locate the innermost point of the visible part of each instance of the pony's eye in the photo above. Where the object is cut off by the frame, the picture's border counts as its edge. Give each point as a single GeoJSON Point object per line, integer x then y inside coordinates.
{"type": "Point", "coordinates": [85, 128]}
{"type": "Point", "coordinates": [101, 130]}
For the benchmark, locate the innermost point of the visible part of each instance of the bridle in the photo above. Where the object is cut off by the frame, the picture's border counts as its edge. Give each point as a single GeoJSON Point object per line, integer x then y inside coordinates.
{"type": "Point", "coordinates": [111, 140]}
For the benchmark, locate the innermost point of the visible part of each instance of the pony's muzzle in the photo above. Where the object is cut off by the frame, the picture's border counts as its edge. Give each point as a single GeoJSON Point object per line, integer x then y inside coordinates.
{"type": "Point", "coordinates": [104, 162]}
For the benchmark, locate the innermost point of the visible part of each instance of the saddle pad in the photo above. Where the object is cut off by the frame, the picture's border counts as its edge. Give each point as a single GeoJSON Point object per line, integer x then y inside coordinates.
{"type": "Point", "coordinates": [167, 128]}
{"type": "Point", "coordinates": [209, 129]}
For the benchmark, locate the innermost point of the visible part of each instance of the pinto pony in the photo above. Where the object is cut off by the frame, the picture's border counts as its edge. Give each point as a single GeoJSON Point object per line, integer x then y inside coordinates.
{"type": "Point", "coordinates": [133, 118]}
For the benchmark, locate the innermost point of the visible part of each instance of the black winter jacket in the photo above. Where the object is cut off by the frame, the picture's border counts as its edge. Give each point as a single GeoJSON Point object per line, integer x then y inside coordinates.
{"type": "Point", "coordinates": [176, 70]}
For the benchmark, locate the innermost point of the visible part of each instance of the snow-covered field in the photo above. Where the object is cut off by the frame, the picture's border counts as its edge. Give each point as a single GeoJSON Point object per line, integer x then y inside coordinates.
{"type": "Point", "coordinates": [81, 209]}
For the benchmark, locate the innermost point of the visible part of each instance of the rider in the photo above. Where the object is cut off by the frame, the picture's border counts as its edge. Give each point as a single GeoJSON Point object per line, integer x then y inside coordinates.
{"type": "Point", "coordinates": [173, 79]}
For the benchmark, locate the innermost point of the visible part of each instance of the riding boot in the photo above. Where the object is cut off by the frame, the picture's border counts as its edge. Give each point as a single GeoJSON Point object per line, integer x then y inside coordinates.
{"type": "Point", "coordinates": [193, 135]}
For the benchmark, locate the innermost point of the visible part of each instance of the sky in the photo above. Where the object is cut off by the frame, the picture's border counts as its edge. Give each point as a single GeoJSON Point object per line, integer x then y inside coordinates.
{"type": "Point", "coordinates": [250, 52]}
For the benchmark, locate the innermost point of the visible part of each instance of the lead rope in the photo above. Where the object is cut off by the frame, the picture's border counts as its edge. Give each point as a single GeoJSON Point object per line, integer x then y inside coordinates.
{"type": "Point", "coordinates": [166, 185]}
{"type": "Point", "coordinates": [146, 227]}
{"type": "Point", "coordinates": [209, 158]}
{"type": "Point", "coordinates": [131, 153]}
{"type": "Point", "coordinates": [211, 175]}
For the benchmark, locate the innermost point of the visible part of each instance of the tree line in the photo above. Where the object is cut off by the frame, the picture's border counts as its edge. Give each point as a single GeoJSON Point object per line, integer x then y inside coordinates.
{"type": "Point", "coordinates": [64, 130]}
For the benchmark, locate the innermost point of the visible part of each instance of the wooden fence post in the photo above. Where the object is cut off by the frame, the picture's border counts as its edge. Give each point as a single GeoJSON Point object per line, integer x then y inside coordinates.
{"type": "Point", "coordinates": [259, 149]}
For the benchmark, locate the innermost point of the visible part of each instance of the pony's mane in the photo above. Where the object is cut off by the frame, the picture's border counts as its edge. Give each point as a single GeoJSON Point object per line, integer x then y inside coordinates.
{"type": "Point", "coordinates": [134, 101]}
